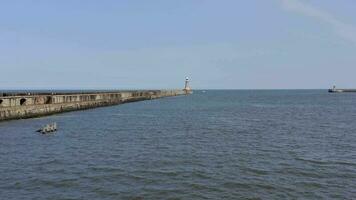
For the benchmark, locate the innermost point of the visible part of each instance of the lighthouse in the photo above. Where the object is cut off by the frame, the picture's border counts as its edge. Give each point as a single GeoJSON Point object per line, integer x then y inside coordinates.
{"type": "Point", "coordinates": [187, 89]}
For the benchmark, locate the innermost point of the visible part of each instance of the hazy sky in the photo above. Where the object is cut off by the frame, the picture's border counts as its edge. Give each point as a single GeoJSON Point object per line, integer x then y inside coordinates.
{"type": "Point", "coordinates": [67, 44]}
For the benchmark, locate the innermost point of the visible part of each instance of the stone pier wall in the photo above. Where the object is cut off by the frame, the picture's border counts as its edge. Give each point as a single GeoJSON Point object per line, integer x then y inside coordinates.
{"type": "Point", "coordinates": [35, 105]}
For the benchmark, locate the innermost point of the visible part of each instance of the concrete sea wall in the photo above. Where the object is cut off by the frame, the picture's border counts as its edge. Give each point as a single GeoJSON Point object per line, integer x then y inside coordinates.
{"type": "Point", "coordinates": [341, 90]}
{"type": "Point", "coordinates": [20, 106]}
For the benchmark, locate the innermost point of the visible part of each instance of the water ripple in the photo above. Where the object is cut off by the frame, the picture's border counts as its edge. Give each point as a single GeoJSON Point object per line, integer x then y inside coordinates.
{"type": "Point", "coordinates": [213, 145]}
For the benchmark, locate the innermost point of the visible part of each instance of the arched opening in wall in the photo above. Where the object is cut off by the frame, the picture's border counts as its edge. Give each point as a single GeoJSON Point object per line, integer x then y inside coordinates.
{"type": "Point", "coordinates": [1, 101]}
{"type": "Point", "coordinates": [22, 102]}
{"type": "Point", "coordinates": [48, 100]}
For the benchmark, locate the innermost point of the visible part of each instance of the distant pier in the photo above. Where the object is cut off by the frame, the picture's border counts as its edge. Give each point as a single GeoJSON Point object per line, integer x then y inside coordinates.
{"type": "Point", "coordinates": [337, 90]}
{"type": "Point", "coordinates": [27, 105]}
{"type": "Point", "coordinates": [341, 90]}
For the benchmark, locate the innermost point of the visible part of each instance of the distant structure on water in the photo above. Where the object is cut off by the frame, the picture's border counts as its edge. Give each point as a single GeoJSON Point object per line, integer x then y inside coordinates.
{"type": "Point", "coordinates": [187, 88]}
{"type": "Point", "coordinates": [335, 90]}
{"type": "Point", "coordinates": [21, 105]}
{"type": "Point", "coordinates": [48, 128]}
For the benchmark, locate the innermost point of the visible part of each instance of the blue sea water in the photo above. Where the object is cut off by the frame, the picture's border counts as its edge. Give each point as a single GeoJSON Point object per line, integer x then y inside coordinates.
{"type": "Point", "coordinates": [218, 144]}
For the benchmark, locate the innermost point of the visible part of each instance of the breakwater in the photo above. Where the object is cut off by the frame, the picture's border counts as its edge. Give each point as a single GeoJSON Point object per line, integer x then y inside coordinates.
{"type": "Point", "coordinates": [341, 90]}
{"type": "Point", "coordinates": [20, 106]}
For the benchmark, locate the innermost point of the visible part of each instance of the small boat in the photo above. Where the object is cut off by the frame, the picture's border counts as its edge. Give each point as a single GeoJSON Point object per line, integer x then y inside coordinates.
{"type": "Point", "coordinates": [49, 128]}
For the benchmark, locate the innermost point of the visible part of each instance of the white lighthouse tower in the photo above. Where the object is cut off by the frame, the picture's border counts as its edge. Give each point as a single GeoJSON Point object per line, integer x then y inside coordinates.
{"type": "Point", "coordinates": [187, 89]}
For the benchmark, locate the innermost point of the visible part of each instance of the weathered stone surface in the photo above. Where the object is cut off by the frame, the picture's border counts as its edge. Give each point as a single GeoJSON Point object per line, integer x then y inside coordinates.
{"type": "Point", "coordinates": [27, 106]}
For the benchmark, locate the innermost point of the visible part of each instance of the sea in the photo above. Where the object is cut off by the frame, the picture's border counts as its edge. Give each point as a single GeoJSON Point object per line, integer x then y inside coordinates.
{"type": "Point", "coordinates": [213, 144]}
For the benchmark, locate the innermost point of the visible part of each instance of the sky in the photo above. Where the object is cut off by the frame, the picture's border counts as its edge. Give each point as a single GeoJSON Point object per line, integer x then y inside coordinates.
{"type": "Point", "coordinates": [139, 44]}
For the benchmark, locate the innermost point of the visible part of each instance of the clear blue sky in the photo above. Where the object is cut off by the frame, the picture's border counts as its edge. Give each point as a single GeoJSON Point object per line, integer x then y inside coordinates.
{"type": "Point", "coordinates": [235, 44]}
